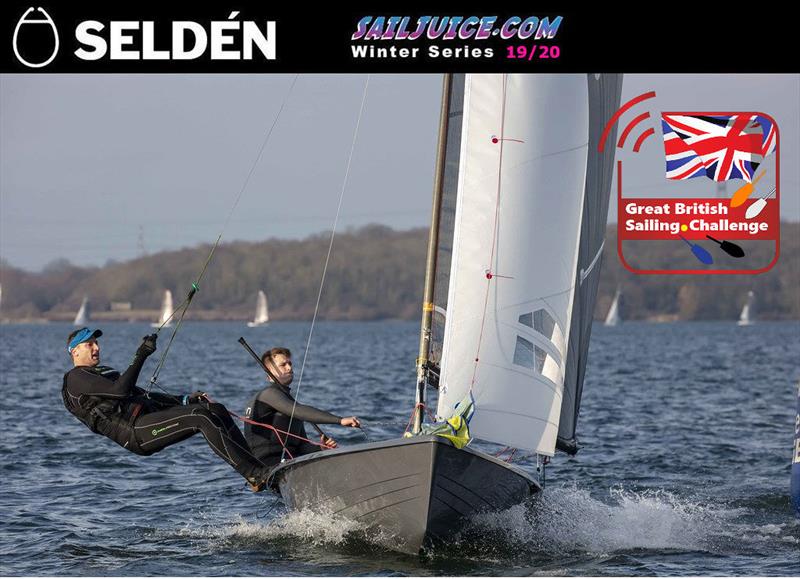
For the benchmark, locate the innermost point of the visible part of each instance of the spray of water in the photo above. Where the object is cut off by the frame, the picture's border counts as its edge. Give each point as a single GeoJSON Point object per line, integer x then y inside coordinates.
{"type": "Point", "coordinates": [561, 522]}
{"type": "Point", "coordinates": [570, 520]}
{"type": "Point", "coordinates": [564, 521]}
{"type": "Point", "coordinates": [314, 528]}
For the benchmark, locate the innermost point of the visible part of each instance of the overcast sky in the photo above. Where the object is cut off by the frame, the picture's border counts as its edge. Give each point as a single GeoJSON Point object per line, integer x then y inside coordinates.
{"type": "Point", "coordinates": [99, 167]}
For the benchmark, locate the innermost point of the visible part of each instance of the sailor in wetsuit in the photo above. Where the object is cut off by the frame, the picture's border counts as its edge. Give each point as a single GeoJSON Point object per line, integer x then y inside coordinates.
{"type": "Point", "coordinates": [275, 406]}
{"type": "Point", "coordinates": [111, 404]}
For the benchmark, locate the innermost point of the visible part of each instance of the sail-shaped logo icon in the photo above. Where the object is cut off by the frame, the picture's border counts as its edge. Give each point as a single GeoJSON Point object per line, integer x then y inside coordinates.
{"type": "Point", "coordinates": [34, 40]}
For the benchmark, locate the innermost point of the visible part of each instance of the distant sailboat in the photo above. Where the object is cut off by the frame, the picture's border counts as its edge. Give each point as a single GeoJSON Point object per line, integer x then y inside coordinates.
{"type": "Point", "coordinates": [262, 311]}
{"type": "Point", "coordinates": [613, 318]}
{"type": "Point", "coordinates": [166, 311]}
{"type": "Point", "coordinates": [746, 317]}
{"type": "Point", "coordinates": [82, 317]}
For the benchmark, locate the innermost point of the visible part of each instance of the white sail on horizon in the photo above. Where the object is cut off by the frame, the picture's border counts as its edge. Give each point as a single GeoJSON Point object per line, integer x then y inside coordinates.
{"type": "Point", "coordinates": [82, 317]}
{"type": "Point", "coordinates": [164, 320]}
{"type": "Point", "coordinates": [262, 311]}
{"type": "Point", "coordinates": [613, 317]}
{"type": "Point", "coordinates": [746, 316]}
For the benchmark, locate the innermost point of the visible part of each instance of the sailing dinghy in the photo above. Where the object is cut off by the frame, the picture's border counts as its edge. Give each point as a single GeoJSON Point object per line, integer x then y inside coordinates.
{"type": "Point", "coordinates": [82, 317]}
{"type": "Point", "coordinates": [613, 317]}
{"type": "Point", "coordinates": [746, 317]}
{"type": "Point", "coordinates": [262, 311]}
{"type": "Point", "coordinates": [520, 207]}
{"type": "Point", "coordinates": [165, 319]}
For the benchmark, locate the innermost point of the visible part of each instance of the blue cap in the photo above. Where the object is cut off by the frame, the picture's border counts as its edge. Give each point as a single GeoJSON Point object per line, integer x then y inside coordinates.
{"type": "Point", "coordinates": [83, 335]}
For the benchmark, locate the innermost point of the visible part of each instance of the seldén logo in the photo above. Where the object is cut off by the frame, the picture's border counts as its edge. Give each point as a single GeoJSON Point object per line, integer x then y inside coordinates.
{"type": "Point", "coordinates": [36, 46]}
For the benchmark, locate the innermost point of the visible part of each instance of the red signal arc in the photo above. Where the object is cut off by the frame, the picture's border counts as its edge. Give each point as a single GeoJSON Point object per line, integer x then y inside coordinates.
{"type": "Point", "coordinates": [624, 108]}
{"type": "Point", "coordinates": [630, 127]}
{"type": "Point", "coordinates": [642, 138]}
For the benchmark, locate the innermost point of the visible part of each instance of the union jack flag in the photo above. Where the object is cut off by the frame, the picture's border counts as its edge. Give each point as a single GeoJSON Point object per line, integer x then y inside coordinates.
{"type": "Point", "coordinates": [720, 147]}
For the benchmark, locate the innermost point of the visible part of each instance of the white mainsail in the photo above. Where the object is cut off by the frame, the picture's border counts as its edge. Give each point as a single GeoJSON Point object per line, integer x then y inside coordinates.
{"type": "Point", "coordinates": [613, 318]}
{"type": "Point", "coordinates": [522, 181]}
{"type": "Point", "coordinates": [262, 311]}
{"type": "Point", "coordinates": [746, 317]}
{"type": "Point", "coordinates": [166, 311]}
{"type": "Point", "coordinates": [82, 317]}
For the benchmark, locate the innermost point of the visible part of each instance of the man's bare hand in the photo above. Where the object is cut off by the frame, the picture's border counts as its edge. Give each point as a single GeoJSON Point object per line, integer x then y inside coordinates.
{"type": "Point", "coordinates": [328, 442]}
{"type": "Point", "coordinates": [351, 421]}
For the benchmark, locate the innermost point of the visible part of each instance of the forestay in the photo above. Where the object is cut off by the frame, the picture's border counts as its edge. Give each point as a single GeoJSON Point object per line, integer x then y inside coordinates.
{"type": "Point", "coordinates": [514, 269]}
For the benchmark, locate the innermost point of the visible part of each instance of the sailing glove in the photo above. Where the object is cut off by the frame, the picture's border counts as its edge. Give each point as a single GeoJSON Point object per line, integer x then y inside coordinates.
{"type": "Point", "coordinates": [148, 346]}
{"type": "Point", "coordinates": [194, 398]}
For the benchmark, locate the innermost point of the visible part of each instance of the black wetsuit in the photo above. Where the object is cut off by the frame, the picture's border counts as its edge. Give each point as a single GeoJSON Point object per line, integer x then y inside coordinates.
{"type": "Point", "coordinates": [145, 423]}
{"type": "Point", "coordinates": [273, 406]}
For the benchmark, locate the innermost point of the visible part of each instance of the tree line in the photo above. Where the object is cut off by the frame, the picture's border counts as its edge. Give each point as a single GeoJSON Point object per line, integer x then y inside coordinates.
{"type": "Point", "coordinates": [377, 273]}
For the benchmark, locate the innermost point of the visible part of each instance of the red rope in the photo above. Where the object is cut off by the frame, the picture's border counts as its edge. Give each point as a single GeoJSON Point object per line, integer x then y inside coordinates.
{"type": "Point", "coordinates": [411, 418]}
{"type": "Point", "coordinates": [489, 274]}
{"type": "Point", "coordinates": [506, 449]}
{"type": "Point", "coordinates": [277, 431]}
{"type": "Point", "coordinates": [513, 450]}
{"type": "Point", "coordinates": [430, 414]}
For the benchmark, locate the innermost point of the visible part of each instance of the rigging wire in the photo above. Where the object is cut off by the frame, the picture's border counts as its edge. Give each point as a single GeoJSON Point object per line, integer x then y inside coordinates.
{"type": "Point", "coordinates": [330, 250]}
{"type": "Point", "coordinates": [196, 285]}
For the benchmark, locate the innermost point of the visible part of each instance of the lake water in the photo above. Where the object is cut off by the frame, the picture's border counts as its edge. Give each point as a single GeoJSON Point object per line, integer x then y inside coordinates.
{"type": "Point", "coordinates": [686, 431]}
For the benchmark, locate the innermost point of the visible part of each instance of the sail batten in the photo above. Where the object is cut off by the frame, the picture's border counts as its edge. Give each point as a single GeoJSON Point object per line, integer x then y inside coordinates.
{"type": "Point", "coordinates": [516, 254]}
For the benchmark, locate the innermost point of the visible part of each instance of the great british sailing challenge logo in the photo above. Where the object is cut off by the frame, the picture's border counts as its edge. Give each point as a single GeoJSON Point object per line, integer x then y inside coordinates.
{"type": "Point", "coordinates": [35, 38]}
{"type": "Point", "coordinates": [716, 209]}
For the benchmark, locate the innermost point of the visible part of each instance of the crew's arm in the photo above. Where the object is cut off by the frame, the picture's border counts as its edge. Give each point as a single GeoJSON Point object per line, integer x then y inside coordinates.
{"type": "Point", "coordinates": [127, 382]}
{"type": "Point", "coordinates": [283, 404]}
{"type": "Point", "coordinates": [84, 381]}
{"type": "Point", "coordinates": [87, 382]}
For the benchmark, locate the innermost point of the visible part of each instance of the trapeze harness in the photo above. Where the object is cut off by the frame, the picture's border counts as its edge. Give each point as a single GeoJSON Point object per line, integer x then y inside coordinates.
{"type": "Point", "coordinates": [107, 402]}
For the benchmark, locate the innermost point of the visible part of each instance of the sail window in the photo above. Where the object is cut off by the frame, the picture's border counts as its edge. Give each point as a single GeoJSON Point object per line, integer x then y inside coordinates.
{"type": "Point", "coordinates": [528, 355]}
{"type": "Point", "coordinates": [544, 323]}
{"type": "Point", "coordinates": [541, 321]}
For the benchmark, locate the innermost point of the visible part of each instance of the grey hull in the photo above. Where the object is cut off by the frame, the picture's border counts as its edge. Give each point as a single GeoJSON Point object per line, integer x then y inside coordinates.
{"type": "Point", "coordinates": [415, 492]}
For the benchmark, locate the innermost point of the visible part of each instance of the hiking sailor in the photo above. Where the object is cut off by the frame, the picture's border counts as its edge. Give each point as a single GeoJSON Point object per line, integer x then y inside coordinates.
{"type": "Point", "coordinates": [274, 406]}
{"type": "Point", "coordinates": [111, 404]}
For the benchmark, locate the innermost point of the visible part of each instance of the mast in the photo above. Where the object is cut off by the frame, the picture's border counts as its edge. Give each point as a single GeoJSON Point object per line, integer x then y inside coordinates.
{"type": "Point", "coordinates": [430, 265]}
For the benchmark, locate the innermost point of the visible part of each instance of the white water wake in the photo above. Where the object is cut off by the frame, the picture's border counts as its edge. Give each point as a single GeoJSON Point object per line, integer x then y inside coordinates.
{"type": "Point", "coordinates": [561, 521]}
{"type": "Point", "coordinates": [569, 519]}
